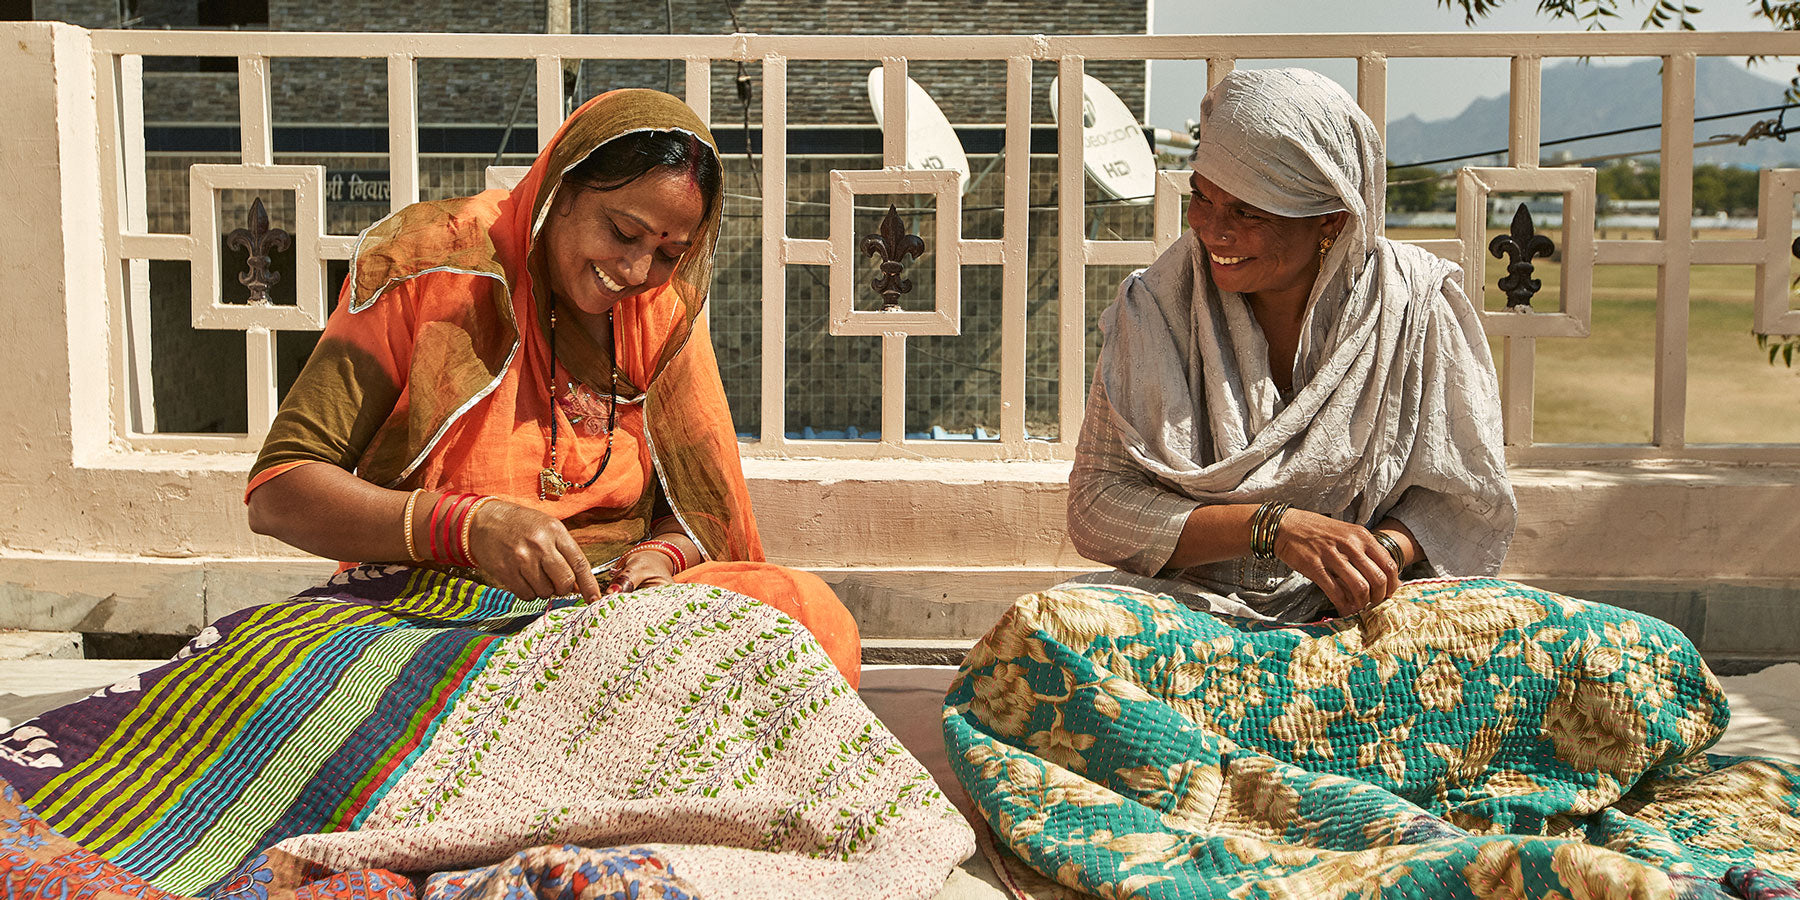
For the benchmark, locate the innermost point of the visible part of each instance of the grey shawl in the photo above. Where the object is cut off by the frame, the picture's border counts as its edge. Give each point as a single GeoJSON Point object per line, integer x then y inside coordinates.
{"type": "Point", "coordinates": [1395, 409]}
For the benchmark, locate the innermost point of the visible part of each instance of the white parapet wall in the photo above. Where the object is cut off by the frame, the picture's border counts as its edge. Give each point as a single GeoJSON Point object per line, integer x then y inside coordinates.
{"type": "Point", "coordinates": [936, 550]}
{"type": "Point", "coordinates": [100, 536]}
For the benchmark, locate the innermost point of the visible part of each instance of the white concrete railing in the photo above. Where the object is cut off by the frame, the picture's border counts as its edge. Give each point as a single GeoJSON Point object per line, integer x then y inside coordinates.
{"type": "Point", "coordinates": [118, 55]}
{"type": "Point", "coordinates": [103, 529]}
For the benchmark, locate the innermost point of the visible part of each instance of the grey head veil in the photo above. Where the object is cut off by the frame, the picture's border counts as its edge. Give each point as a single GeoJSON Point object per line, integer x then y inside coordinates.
{"type": "Point", "coordinates": [1394, 409]}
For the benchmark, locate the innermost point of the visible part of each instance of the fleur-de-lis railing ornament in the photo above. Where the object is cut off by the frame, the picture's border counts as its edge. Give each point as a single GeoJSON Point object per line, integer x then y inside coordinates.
{"type": "Point", "coordinates": [892, 246]}
{"type": "Point", "coordinates": [1522, 244]}
{"type": "Point", "coordinates": [260, 242]}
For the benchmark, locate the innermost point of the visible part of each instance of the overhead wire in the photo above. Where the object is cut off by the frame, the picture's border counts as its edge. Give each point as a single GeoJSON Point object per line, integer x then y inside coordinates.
{"type": "Point", "coordinates": [743, 94]}
{"type": "Point", "coordinates": [669, 64]}
{"type": "Point", "coordinates": [1611, 133]}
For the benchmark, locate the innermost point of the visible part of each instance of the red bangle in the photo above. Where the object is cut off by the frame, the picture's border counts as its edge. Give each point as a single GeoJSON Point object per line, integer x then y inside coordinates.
{"type": "Point", "coordinates": [453, 523]}
{"type": "Point", "coordinates": [441, 525]}
{"type": "Point", "coordinates": [446, 521]}
{"type": "Point", "coordinates": [431, 525]}
{"type": "Point", "coordinates": [681, 560]}
{"type": "Point", "coordinates": [667, 549]}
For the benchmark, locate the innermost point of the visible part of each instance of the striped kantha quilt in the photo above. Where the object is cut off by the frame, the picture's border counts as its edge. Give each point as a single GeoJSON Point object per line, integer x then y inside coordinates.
{"type": "Point", "coordinates": [399, 733]}
{"type": "Point", "coordinates": [1466, 739]}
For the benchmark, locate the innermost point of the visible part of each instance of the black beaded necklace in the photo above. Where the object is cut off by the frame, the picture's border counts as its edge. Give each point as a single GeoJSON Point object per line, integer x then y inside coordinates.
{"type": "Point", "coordinates": [551, 484]}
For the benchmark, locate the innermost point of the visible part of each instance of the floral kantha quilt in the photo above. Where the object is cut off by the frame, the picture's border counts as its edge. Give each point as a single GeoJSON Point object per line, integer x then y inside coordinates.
{"type": "Point", "coordinates": [1471, 738]}
{"type": "Point", "coordinates": [398, 733]}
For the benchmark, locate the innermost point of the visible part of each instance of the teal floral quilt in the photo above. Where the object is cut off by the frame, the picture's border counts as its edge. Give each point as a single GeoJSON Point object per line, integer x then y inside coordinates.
{"type": "Point", "coordinates": [1469, 738]}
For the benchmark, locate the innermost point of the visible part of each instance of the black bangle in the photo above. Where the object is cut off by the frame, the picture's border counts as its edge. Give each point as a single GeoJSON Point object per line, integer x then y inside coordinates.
{"type": "Point", "coordinates": [1392, 547]}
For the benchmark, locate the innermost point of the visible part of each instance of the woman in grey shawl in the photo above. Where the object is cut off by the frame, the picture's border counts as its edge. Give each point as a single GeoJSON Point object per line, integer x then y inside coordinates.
{"type": "Point", "coordinates": [1283, 351]}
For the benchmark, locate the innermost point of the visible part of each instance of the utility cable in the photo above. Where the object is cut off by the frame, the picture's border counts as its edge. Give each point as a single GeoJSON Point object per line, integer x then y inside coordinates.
{"type": "Point", "coordinates": [743, 95]}
{"type": "Point", "coordinates": [1760, 129]}
{"type": "Point", "coordinates": [669, 64]}
{"type": "Point", "coordinates": [511, 120]}
{"type": "Point", "coordinates": [1599, 134]}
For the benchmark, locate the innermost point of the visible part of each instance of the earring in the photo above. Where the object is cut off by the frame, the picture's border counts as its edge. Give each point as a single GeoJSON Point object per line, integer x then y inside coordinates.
{"type": "Point", "coordinates": [1325, 245]}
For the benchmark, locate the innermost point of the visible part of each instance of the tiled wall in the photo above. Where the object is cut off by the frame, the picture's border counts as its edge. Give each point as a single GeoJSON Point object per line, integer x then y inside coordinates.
{"type": "Point", "coordinates": [485, 91]}
{"type": "Point", "coordinates": [833, 383]}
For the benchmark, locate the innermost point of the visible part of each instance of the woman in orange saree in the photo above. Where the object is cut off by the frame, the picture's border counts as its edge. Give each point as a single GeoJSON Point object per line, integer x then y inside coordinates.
{"type": "Point", "coordinates": [520, 383]}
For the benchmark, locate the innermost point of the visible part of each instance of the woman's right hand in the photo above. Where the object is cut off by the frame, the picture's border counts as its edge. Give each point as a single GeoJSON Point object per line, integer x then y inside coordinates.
{"type": "Point", "coordinates": [529, 553]}
{"type": "Point", "coordinates": [1342, 558]}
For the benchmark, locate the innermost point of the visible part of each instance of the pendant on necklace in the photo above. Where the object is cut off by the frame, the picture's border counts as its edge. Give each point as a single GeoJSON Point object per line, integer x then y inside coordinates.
{"type": "Point", "coordinates": [551, 486]}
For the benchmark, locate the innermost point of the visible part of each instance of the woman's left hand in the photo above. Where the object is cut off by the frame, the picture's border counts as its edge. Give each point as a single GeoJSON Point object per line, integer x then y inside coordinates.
{"type": "Point", "coordinates": [641, 570]}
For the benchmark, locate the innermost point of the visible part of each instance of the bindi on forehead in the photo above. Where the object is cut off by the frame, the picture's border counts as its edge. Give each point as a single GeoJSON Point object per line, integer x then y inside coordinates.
{"type": "Point", "coordinates": [661, 233]}
{"type": "Point", "coordinates": [657, 208]}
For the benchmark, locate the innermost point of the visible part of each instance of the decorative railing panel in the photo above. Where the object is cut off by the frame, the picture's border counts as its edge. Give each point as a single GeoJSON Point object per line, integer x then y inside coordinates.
{"type": "Point", "coordinates": [131, 244]}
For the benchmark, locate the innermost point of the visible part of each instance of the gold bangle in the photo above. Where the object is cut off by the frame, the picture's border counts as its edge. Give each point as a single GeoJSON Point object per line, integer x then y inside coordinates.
{"type": "Point", "coordinates": [1392, 547]}
{"type": "Point", "coordinates": [1265, 527]}
{"type": "Point", "coordinates": [469, 526]}
{"type": "Point", "coordinates": [406, 523]}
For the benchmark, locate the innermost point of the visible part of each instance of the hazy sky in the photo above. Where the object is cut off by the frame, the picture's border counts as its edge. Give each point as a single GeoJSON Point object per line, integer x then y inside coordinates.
{"type": "Point", "coordinates": [1433, 89]}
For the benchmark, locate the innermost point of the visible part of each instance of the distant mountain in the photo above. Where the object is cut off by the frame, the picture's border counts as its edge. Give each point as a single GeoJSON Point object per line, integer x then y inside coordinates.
{"type": "Point", "coordinates": [1580, 98]}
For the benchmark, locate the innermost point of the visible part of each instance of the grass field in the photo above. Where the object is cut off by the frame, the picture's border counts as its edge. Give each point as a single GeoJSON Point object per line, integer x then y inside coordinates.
{"type": "Point", "coordinates": [1602, 387]}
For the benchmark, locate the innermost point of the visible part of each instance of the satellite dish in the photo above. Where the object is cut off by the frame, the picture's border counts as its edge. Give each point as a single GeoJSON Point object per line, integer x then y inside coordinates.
{"type": "Point", "coordinates": [1117, 156]}
{"type": "Point", "coordinates": [930, 141]}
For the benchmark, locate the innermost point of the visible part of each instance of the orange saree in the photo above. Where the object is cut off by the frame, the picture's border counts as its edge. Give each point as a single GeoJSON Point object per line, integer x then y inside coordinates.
{"type": "Point", "coordinates": [435, 372]}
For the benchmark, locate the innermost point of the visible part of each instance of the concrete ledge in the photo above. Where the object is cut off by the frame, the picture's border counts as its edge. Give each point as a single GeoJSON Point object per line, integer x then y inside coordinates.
{"type": "Point", "coordinates": [159, 596]}
{"type": "Point", "coordinates": [147, 596]}
{"type": "Point", "coordinates": [958, 604]}
{"type": "Point", "coordinates": [1690, 522]}
{"type": "Point", "coordinates": [1672, 521]}
{"type": "Point", "coordinates": [1735, 624]}
{"type": "Point", "coordinates": [904, 652]}
{"type": "Point", "coordinates": [895, 513]}
{"type": "Point", "coordinates": [937, 550]}
{"type": "Point", "coordinates": [910, 614]}
{"type": "Point", "coordinates": [35, 645]}
{"type": "Point", "coordinates": [34, 677]}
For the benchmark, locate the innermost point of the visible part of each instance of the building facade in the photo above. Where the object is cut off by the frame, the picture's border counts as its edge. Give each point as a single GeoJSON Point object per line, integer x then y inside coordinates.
{"type": "Point", "coordinates": [477, 113]}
